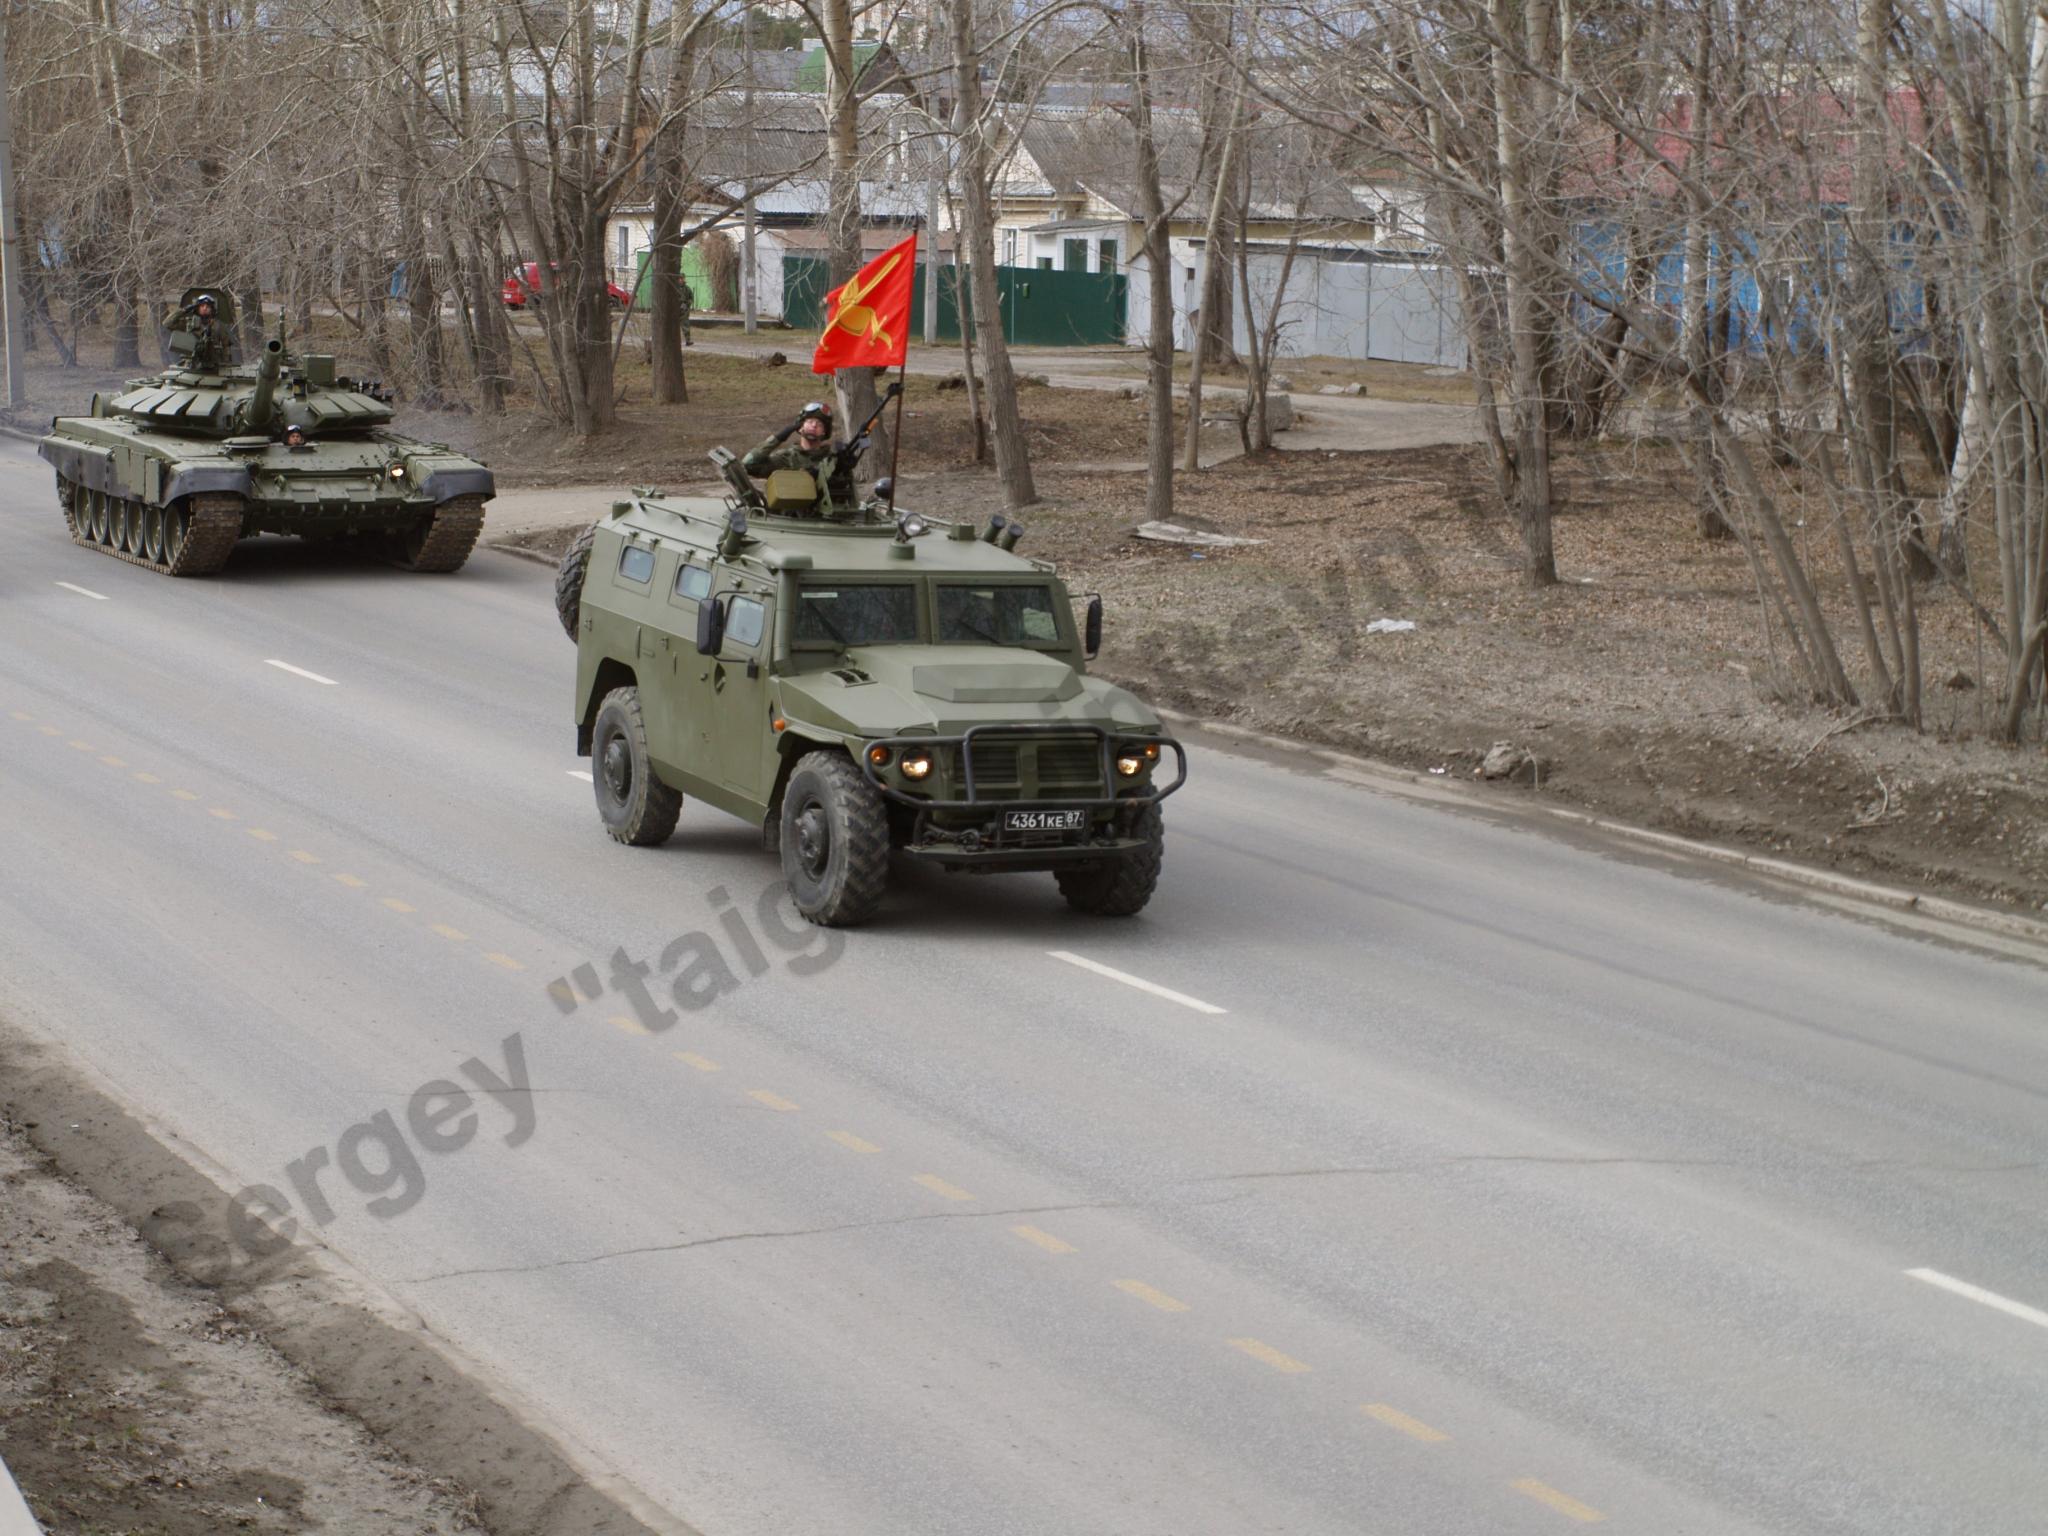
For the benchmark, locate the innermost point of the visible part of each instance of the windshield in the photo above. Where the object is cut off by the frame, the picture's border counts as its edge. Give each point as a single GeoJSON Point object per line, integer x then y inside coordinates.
{"type": "Point", "coordinates": [998, 615]}
{"type": "Point", "coordinates": [857, 614]}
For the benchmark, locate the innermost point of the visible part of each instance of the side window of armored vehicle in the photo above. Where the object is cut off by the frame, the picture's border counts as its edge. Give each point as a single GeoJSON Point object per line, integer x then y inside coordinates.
{"type": "Point", "coordinates": [998, 615]}
{"type": "Point", "coordinates": [693, 582]}
{"type": "Point", "coordinates": [636, 564]}
{"type": "Point", "coordinates": [856, 613]}
{"type": "Point", "coordinates": [745, 621]}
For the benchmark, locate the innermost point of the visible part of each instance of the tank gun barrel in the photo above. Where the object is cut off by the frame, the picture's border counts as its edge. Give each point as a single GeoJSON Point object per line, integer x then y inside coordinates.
{"type": "Point", "coordinates": [263, 403]}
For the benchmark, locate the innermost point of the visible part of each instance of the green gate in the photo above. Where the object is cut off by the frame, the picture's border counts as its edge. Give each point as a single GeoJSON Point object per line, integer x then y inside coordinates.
{"type": "Point", "coordinates": [1040, 308]}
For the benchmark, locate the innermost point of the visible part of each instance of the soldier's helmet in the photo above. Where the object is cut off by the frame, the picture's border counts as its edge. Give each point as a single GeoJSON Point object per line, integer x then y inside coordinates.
{"type": "Point", "coordinates": [819, 409]}
{"type": "Point", "coordinates": [203, 306]}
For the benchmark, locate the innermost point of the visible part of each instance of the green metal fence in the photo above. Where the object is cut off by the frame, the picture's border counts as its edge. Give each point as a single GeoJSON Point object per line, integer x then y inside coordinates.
{"type": "Point", "coordinates": [1040, 308]}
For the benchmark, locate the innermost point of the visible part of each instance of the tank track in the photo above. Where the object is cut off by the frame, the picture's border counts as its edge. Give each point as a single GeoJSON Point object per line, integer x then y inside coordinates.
{"type": "Point", "coordinates": [450, 536]}
{"type": "Point", "coordinates": [207, 528]}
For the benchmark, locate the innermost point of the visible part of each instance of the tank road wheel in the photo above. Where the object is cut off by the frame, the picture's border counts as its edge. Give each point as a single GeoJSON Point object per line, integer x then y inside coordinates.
{"type": "Point", "coordinates": [131, 526]}
{"type": "Point", "coordinates": [835, 841]}
{"type": "Point", "coordinates": [153, 535]}
{"type": "Point", "coordinates": [442, 540]}
{"type": "Point", "coordinates": [101, 524]}
{"type": "Point", "coordinates": [176, 523]}
{"type": "Point", "coordinates": [68, 504]}
{"type": "Point", "coordinates": [569, 580]}
{"type": "Point", "coordinates": [1122, 886]}
{"type": "Point", "coordinates": [637, 808]}
{"type": "Point", "coordinates": [200, 533]}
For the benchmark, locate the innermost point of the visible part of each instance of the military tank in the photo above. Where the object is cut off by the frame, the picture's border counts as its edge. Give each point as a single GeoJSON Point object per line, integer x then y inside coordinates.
{"type": "Point", "coordinates": [174, 469]}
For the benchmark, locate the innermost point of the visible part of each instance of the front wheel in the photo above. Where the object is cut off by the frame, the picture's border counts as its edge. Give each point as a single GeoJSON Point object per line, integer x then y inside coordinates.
{"type": "Point", "coordinates": [1122, 886]}
{"type": "Point", "coordinates": [636, 807]}
{"type": "Point", "coordinates": [835, 841]}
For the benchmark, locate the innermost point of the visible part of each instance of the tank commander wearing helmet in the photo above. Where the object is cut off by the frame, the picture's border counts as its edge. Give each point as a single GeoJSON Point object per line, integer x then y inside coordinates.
{"type": "Point", "coordinates": [814, 450]}
{"type": "Point", "coordinates": [209, 343]}
{"type": "Point", "coordinates": [294, 435]}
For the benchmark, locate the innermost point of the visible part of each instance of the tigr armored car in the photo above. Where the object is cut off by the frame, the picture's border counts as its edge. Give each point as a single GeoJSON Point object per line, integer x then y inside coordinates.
{"type": "Point", "coordinates": [856, 686]}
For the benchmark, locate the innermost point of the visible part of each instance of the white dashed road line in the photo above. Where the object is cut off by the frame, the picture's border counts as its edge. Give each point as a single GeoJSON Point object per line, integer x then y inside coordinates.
{"type": "Point", "coordinates": [98, 597]}
{"type": "Point", "coordinates": [1135, 981]}
{"type": "Point", "coordinates": [311, 677]}
{"type": "Point", "coordinates": [578, 773]}
{"type": "Point", "coordinates": [1977, 1293]}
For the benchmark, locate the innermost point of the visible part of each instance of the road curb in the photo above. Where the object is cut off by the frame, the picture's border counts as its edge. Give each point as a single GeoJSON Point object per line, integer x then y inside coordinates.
{"type": "Point", "coordinates": [1946, 909]}
{"type": "Point", "coordinates": [15, 1516]}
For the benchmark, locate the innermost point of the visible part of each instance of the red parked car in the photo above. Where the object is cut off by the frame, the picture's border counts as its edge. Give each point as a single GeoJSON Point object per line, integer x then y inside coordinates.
{"type": "Point", "coordinates": [525, 284]}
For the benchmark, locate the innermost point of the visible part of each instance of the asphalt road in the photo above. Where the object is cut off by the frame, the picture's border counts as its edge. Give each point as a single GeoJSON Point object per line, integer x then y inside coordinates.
{"type": "Point", "coordinates": [1461, 1181]}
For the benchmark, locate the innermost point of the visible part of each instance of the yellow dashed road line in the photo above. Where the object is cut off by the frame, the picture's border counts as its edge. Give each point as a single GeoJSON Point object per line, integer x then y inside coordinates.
{"type": "Point", "coordinates": [939, 1186]}
{"type": "Point", "coordinates": [114, 762]}
{"type": "Point", "coordinates": [398, 906]}
{"type": "Point", "coordinates": [454, 935]}
{"type": "Point", "coordinates": [1149, 1296]}
{"type": "Point", "coordinates": [304, 857]}
{"type": "Point", "coordinates": [852, 1142]}
{"type": "Point", "coordinates": [353, 882]}
{"type": "Point", "coordinates": [774, 1101]}
{"type": "Point", "coordinates": [562, 993]}
{"type": "Point", "coordinates": [49, 730]}
{"type": "Point", "coordinates": [1043, 1240]}
{"type": "Point", "coordinates": [1563, 1503]}
{"type": "Point", "coordinates": [81, 746]}
{"type": "Point", "coordinates": [183, 794]}
{"type": "Point", "coordinates": [145, 778]}
{"type": "Point", "coordinates": [692, 1059]}
{"type": "Point", "coordinates": [24, 717]}
{"type": "Point", "coordinates": [505, 960]}
{"type": "Point", "coordinates": [262, 836]}
{"type": "Point", "coordinates": [220, 811]}
{"type": "Point", "coordinates": [629, 1025]}
{"type": "Point", "coordinates": [1266, 1354]}
{"type": "Point", "coordinates": [1394, 1418]}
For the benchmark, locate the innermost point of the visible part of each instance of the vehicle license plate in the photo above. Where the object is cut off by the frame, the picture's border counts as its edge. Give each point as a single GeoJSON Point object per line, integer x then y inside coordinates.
{"type": "Point", "coordinates": [1044, 821]}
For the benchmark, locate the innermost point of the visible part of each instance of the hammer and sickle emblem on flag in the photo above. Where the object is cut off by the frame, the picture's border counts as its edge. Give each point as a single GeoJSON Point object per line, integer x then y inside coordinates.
{"type": "Point", "coordinates": [856, 318]}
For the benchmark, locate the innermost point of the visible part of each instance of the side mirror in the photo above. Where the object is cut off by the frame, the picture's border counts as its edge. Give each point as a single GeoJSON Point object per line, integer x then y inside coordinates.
{"type": "Point", "coordinates": [710, 626]}
{"type": "Point", "coordinates": [1091, 638]}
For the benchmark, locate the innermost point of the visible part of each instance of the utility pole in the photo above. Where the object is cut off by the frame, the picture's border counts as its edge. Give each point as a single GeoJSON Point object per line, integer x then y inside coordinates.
{"type": "Point", "coordinates": [10, 247]}
{"type": "Point", "coordinates": [749, 303]}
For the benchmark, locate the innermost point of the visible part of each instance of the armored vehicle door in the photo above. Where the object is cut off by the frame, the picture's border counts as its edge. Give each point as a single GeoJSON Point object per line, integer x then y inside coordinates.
{"type": "Point", "coordinates": [736, 708]}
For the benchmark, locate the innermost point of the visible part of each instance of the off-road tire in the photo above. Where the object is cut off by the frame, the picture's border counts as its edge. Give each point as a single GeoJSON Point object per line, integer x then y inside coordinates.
{"type": "Point", "coordinates": [635, 806]}
{"type": "Point", "coordinates": [1122, 886]}
{"type": "Point", "coordinates": [442, 541]}
{"type": "Point", "coordinates": [569, 581]}
{"type": "Point", "coordinates": [835, 841]}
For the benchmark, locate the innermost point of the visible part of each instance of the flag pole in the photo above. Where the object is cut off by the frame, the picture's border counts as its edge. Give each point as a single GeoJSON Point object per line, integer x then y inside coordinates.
{"type": "Point", "coordinates": [902, 379]}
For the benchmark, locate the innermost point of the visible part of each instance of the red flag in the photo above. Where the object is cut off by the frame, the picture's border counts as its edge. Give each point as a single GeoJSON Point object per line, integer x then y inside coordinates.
{"type": "Point", "coordinates": [869, 324]}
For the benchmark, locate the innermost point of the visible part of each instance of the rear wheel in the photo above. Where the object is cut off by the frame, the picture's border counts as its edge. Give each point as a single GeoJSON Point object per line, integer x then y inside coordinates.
{"type": "Point", "coordinates": [835, 841]}
{"type": "Point", "coordinates": [1122, 886]}
{"type": "Point", "coordinates": [637, 808]}
{"type": "Point", "coordinates": [569, 580]}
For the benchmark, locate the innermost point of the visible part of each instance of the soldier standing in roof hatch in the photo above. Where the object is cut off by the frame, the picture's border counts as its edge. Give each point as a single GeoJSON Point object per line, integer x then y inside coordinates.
{"type": "Point", "coordinates": [209, 345]}
{"type": "Point", "coordinates": [814, 451]}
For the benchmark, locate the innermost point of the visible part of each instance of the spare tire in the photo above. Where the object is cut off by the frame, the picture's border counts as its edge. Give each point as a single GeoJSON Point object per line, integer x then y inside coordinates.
{"type": "Point", "coordinates": [569, 581]}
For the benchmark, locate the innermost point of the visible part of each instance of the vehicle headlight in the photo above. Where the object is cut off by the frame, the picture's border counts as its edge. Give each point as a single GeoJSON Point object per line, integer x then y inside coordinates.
{"type": "Point", "coordinates": [879, 756]}
{"type": "Point", "coordinates": [916, 764]}
{"type": "Point", "coordinates": [1131, 764]}
{"type": "Point", "coordinates": [398, 471]}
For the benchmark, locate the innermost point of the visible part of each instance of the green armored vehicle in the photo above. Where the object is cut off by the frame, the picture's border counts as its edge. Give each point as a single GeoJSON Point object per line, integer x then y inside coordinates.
{"type": "Point", "coordinates": [174, 469]}
{"type": "Point", "coordinates": [854, 686]}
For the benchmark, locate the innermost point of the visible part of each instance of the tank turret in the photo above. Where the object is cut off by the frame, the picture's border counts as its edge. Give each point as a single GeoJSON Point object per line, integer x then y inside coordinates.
{"type": "Point", "coordinates": [262, 402]}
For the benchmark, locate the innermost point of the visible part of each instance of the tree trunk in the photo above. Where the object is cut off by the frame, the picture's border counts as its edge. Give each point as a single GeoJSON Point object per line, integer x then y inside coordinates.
{"type": "Point", "coordinates": [857, 393]}
{"type": "Point", "coordinates": [999, 383]}
{"type": "Point", "coordinates": [1159, 261]}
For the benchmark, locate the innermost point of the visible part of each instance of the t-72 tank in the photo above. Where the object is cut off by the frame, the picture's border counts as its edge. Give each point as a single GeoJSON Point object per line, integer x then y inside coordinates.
{"type": "Point", "coordinates": [171, 471]}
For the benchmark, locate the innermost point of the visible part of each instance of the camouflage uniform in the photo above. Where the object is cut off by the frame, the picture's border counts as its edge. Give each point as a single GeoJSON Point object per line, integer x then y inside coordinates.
{"type": "Point", "coordinates": [772, 455]}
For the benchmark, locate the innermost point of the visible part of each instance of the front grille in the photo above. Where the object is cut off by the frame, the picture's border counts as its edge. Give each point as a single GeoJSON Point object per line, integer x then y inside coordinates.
{"type": "Point", "coordinates": [1028, 768]}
